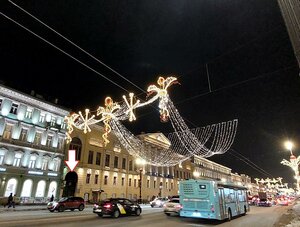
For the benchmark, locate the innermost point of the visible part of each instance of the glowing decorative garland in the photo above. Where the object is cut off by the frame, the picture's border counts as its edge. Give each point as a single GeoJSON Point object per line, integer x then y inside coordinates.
{"type": "Point", "coordinates": [184, 142]}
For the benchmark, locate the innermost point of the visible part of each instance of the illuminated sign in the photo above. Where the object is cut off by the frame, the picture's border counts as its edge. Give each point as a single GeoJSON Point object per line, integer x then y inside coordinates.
{"type": "Point", "coordinates": [52, 174]}
{"type": "Point", "coordinates": [2, 169]}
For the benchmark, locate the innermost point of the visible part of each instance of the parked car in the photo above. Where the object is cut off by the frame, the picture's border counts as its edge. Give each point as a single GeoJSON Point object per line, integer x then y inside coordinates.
{"type": "Point", "coordinates": [158, 202]}
{"type": "Point", "coordinates": [66, 203]}
{"type": "Point", "coordinates": [116, 207]}
{"type": "Point", "coordinates": [172, 206]}
{"type": "Point", "coordinates": [283, 201]}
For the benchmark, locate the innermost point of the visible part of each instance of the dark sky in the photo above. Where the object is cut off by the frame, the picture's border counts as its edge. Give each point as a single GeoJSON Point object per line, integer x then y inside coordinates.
{"type": "Point", "coordinates": [253, 72]}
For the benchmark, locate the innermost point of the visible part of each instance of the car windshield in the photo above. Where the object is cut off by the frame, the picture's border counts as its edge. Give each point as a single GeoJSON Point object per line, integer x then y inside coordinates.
{"type": "Point", "coordinates": [174, 201]}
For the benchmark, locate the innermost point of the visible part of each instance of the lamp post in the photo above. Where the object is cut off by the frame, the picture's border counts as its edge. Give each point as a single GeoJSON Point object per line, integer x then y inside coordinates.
{"type": "Point", "coordinates": [293, 163]}
{"type": "Point", "coordinates": [140, 162]}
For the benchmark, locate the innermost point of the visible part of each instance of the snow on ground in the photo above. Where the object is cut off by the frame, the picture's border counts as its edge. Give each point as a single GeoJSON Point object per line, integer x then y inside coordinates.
{"type": "Point", "coordinates": [296, 221]}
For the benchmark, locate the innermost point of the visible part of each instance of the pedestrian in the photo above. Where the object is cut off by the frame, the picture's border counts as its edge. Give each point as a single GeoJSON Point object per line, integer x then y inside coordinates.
{"type": "Point", "coordinates": [13, 202]}
{"type": "Point", "coordinates": [52, 198]}
{"type": "Point", "coordinates": [9, 200]}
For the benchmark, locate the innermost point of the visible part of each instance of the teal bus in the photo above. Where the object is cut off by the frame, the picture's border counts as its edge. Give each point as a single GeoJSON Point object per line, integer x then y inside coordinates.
{"type": "Point", "coordinates": [210, 199]}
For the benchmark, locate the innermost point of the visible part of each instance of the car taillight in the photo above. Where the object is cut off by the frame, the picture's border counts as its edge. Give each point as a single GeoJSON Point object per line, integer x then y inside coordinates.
{"type": "Point", "coordinates": [107, 205]}
{"type": "Point", "coordinates": [164, 206]}
{"type": "Point", "coordinates": [179, 206]}
{"type": "Point", "coordinates": [96, 206]}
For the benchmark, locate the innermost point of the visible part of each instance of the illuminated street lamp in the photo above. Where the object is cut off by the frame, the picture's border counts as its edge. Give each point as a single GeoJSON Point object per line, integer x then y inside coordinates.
{"type": "Point", "coordinates": [293, 163]}
{"type": "Point", "coordinates": [140, 162]}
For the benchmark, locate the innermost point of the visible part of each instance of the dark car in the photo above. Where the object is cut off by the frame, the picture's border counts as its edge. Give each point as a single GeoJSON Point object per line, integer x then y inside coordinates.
{"type": "Point", "coordinates": [116, 207]}
{"type": "Point", "coordinates": [66, 203]}
{"type": "Point", "coordinates": [264, 203]}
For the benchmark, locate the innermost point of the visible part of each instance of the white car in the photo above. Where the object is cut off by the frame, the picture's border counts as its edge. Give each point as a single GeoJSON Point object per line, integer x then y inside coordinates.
{"type": "Point", "coordinates": [172, 206]}
{"type": "Point", "coordinates": [158, 202]}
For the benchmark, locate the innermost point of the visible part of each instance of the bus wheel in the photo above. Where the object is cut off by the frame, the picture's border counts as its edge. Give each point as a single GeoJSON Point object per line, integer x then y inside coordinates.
{"type": "Point", "coordinates": [229, 215]}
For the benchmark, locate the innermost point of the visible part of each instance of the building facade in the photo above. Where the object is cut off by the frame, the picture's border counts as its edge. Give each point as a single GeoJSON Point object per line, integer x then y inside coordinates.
{"type": "Point", "coordinates": [110, 171]}
{"type": "Point", "coordinates": [32, 143]}
{"type": "Point", "coordinates": [290, 10]}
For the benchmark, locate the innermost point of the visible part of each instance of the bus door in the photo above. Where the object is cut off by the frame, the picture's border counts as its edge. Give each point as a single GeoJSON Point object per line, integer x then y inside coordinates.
{"type": "Point", "coordinates": [222, 202]}
{"type": "Point", "coordinates": [237, 201]}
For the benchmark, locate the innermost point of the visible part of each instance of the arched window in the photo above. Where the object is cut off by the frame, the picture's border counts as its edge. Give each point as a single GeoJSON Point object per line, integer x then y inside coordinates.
{"type": "Point", "coordinates": [76, 145]}
{"type": "Point", "coordinates": [40, 191]}
{"type": "Point", "coordinates": [52, 189]}
{"type": "Point", "coordinates": [11, 187]}
{"type": "Point", "coordinates": [27, 187]}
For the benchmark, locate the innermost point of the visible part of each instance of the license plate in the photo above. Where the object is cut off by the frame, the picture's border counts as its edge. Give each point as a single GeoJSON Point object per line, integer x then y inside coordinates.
{"type": "Point", "coordinates": [98, 210]}
{"type": "Point", "coordinates": [196, 214]}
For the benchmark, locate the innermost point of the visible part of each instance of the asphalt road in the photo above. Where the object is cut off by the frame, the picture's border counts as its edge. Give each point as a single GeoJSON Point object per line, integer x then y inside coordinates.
{"type": "Point", "coordinates": [154, 217]}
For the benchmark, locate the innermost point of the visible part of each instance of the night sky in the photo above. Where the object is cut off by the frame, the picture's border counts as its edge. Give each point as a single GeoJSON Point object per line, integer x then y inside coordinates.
{"type": "Point", "coordinates": [245, 46]}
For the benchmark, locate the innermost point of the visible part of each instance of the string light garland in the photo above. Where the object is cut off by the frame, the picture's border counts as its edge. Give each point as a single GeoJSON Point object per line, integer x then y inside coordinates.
{"type": "Point", "coordinates": [184, 143]}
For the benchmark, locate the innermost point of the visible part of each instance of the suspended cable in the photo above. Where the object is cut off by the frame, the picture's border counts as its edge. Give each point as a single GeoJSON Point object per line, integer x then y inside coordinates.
{"type": "Point", "coordinates": [96, 59]}
{"type": "Point", "coordinates": [69, 55]}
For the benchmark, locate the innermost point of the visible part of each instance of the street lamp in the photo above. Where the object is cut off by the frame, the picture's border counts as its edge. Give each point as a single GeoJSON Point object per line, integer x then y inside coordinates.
{"type": "Point", "coordinates": [140, 162]}
{"type": "Point", "coordinates": [289, 145]}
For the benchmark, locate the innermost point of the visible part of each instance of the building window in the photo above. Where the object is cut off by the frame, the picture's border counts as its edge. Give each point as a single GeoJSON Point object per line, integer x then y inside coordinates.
{"type": "Point", "coordinates": [14, 108]}
{"type": "Point", "coordinates": [116, 162]}
{"type": "Point", "coordinates": [172, 185]}
{"type": "Point", "coordinates": [53, 121]}
{"type": "Point", "coordinates": [26, 190]}
{"type": "Point", "coordinates": [17, 160]}
{"type": "Point", "coordinates": [130, 165]}
{"type": "Point", "coordinates": [88, 178]}
{"type": "Point", "coordinates": [154, 184]}
{"type": "Point", "coordinates": [40, 191]}
{"type": "Point", "coordinates": [134, 183]}
{"type": "Point", "coordinates": [76, 145]}
{"type": "Point", "coordinates": [96, 179]}
{"type": "Point", "coordinates": [37, 138]}
{"type": "Point", "coordinates": [32, 162]}
{"type": "Point", "coordinates": [91, 156]}
{"type": "Point", "coordinates": [107, 160]}
{"type": "Point", "coordinates": [7, 131]}
{"type": "Point", "coordinates": [166, 185]}
{"type": "Point", "coordinates": [56, 164]}
{"type": "Point", "coordinates": [42, 118]}
{"type": "Point", "coordinates": [11, 187]}
{"type": "Point", "coordinates": [129, 182]}
{"type": "Point", "coordinates": [124, 163]}
{"type": "Point", "coordinates": [23, 134]}
{"type": "Point", "coordinates": [1, 159]}
{"type": "Point", "coordinates": [45, 164]}
{"type": "Point", "coordinates": [98, 158]}
{"type": "Point", "coordinates": [105, 180]}
{"type": "Point", "coordinates": [115, 181]}
{"type": "Point", "coordinates": [123, 180]}
{"type": "Point", "coordinates": [28, 114]}
{"type": "Point", "coordinates": [148, 183]}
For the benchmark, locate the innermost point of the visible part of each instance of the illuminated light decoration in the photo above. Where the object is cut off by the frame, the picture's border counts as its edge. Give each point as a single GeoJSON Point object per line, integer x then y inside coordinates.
{"type": "Point", "coordinates": [35, 172]}
{"type": "Point", "coordinates": [52, 174]}
{"type": "Point", "coordinates": [294, 164]}
{"type": "Point", "coordinates": [184, 142]}
{"type": "Point", "coordinates": [107, 114]}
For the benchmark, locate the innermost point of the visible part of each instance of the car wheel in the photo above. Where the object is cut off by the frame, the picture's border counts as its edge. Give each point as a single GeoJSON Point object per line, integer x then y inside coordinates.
{"type": "Point", "coordinates": [81, 207]}
{"type": "Point", "coordinates": [138, 212]}
{"type": "Point", "coordinates": [51, 211]}
{"type": "Point", "coordinates": [168, 214]}
{"type": "Point", "coordinates": [72, 209]}
{"type": "Point", "coordinates": [116, 214]}
{"type": "Point", "coordinates": [100, 215]}
{"type": "Point", "coordinates": [152, 205]}
{"type": "Point", "coordinates": [61, 209]}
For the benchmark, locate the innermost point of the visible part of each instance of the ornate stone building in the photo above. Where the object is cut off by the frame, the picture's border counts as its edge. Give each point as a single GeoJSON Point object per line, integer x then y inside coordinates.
{"type": "Point", "coordinates": [32, 143]}
{"type": "Point", "coordinates": [110, 171]}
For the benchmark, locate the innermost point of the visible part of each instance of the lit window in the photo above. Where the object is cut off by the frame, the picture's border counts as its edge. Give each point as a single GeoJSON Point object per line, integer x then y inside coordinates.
{"type": "Point", "coordinates": [40, 191]}
{"type": "Point", "coordinates": [32, 162]}
{"type": "Point", "coordinates": [45, 164]}
{"type": "Point", "coordinates": [26, 190]}
{"type": "Point", "coordinates": [1, 159]}
{"type": "Point", "coordinates": [42, 118]}
{"type": "Point", "coordinates": [52, 123]}
{"type": "Point", "coordinates": [28, 114]}
{"type": "Point", "coordinates": [7, 131]}
{"type": "Point", "coordinates": [23, 134]}
{"type": "Point", "coordinates": [17, 160]}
